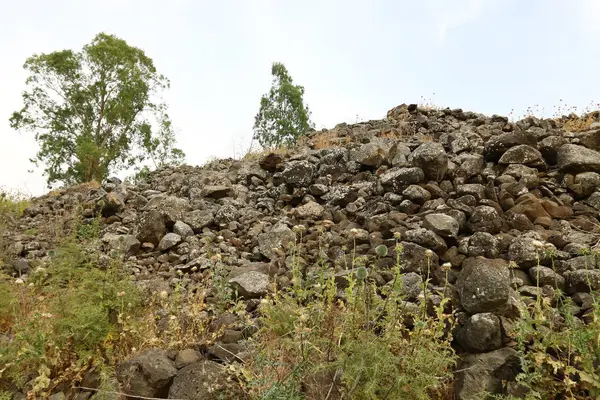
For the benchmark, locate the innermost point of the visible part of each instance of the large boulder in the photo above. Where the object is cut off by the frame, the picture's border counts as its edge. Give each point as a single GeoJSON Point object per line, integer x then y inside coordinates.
{"type": "Point", "coordinates": [370, 154]}
{"type": "Point", "coordinates": [485, 219]}
{"type": "Point", "coordinates": [278, 238]}
{"type": "Point", "coordinates": [432, 159]}
{"type": "Point", "coordinates": [573, 158]}
{"type": "Point", "coordinates": [480, 333]}
{"type": "Point", "coordinates": [149, 374]}
{"type": "Point", "coordinates": [251, 284]}
{"type": "Point", "coordinates": [482, 374]}
{"type": "Point", "coordinates": [442, 224]}
{"type": "Point", "coordinates": [397, 179]}
{"type": "Point", "coordinates": [151, 227]}
{"type": "Point", "coordinates": [298, 173]}
{"type": "Point", "coordinates": [523, 154]}
{"type": "Point", "coordinates": [483, 285]}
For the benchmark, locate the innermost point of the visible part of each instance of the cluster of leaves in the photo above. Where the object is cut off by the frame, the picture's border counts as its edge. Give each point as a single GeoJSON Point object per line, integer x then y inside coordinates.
{"type": "Point", "coordinates": [362, 342]}
{"type": "Point", "coordinates": [282, 117]}
{"type": "Point", "coordinates": [94, 112]}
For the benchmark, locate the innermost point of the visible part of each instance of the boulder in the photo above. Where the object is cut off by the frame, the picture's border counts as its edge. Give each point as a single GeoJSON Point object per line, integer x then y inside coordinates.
{"type": "Point", "coordinates": [206, 380]}
{"type": "Point", "coordinates": [480, 333]}
{"type": "Point", "coordinates": [573, 158]}
{"type": "Point", "coordinates": [483, 285]}
{"type": "Point", "coordinates": [149, 374]}
{"type": "Point", "coordinates": [432, 159]}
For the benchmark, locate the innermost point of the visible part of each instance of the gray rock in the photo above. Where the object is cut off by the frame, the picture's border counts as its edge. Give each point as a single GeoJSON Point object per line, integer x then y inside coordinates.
{"type": "Point", "coordinates": [522, 154]}
{"type": "Point", "coordinates": [529, 250]}
{"type": "Point", "coordinates": [481, 374]}
{"type": "Point", "coordinates": [215, 191]}
{"type": "Point", "coordinates": [183, 229]}
{"type": "Point", "coordinates": [311, 210]}
{"type": "Point", "coordinates": [418, 259]}
{"type": "Point", "coordinates": [186, 357]}
{"type": "Point", "coordinates": [432, 159]}
{"type": "Point", "coordinates": [412, 285]}
{"type": "Point", "coordinates": [483, 244]}
{"type": "Point", "coordinates": [279, 237]}
{"type": "Point", "coordinates": [485, 219]}
{"type": "Point", "coordinates": [298, 173]}
{"type": "Point", "coordinates": [582, 280]}
{"type": "Point", "coordinates": [480, 333]}
{"type": "Point", "coordinates": [573, 158]}
{"type": "Point", "coordinates": [442, 224]}
{"type": "Point", "coordinates": [198, 219]}
{"type": "Point", "coordinates": [206, 380]}
{"type": "Point", "coordinates": [125, 244]}
{"type": "Point", "coordinates": [151, 227]}
{"type": "Point", "coordinates": [370, 154]}
{"type": "Point", "coordinates": [545, 276]}
{"type": "Point", "coordinates": [169, 241]}
{"type": "Point", "coordinates": [398, 178]}
{"type": "Point", "coordinates": [426, 238]}
{"type": "Point", "coordinates": [497, 145]}
{"type": "Point", "coordinates": [416, 194]}
{"type": "Point", "coordinates": [148, 374]}
{"type": "Point", "coordinates": [483, 285]}
{"type": "Point", "coordinates": [251, 285]}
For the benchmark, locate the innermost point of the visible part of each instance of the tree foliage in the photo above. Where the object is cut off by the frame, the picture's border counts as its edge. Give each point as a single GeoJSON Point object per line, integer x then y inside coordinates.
{"type": "Point", "coordinates": [282, 117]}
{"type": "Point", "coordinates": [93, 112]}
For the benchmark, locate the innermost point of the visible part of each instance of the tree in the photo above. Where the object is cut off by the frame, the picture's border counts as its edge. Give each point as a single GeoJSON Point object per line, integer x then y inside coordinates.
{"type": "Point", "coordinates": [93, 113]}
{"type": "Point", "coordinates": [282, 117]}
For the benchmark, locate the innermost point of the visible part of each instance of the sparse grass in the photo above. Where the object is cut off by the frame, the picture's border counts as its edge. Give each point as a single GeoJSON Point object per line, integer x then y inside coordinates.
{"type": "Point", "coordinates": [369, 346]}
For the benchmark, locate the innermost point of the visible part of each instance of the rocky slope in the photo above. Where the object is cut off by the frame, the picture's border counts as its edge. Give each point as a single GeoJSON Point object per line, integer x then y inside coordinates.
{"type": "Point", "coordinates": [505, 211]}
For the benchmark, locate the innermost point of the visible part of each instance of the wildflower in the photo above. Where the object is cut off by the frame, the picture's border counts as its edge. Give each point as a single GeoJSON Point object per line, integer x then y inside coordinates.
{"type": "Point", "coordinates": [446, 266]}
{"type": "Point", "coordinates": [381, 250]}
{"type": "Point", "coordinates": [120, 294]}
{"type": "Point", "coordinates": [220, 238]}
{"type": "Point", "coordinates": [47, 315]}
{"type": "Point", "coordinates": [194, 269]}
{"type": "Point", "coordinates": [164, 294]}
{"type": "Point", "coordinates": [299, 228]}
{"type": "Point", "coordinates": [354, 231]}
{"type": "Point", "coordinates": [397, 235]}
{"type": "Point", "coordinates": [19, 281]}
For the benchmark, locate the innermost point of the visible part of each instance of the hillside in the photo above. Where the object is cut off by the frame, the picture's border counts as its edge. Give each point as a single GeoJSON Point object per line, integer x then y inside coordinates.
{"type": "Point", "coordinates": [436, 253]}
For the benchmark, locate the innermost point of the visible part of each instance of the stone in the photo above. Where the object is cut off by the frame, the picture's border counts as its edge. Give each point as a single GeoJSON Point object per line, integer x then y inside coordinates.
{"type": "Point", "coordinates": [573, 158]}
{"type": "Point", "coordinates": [198, 219]}
{"type": "Point", "coordinates": [426, 238]}
{"type": "Point", "coordinates": [523, 154]}
{"type": "Point", "coordinates": [483, 374]}
{"type": "Point", "coordinates": [497, 145]}
{"type": "Point", "coordinates": [151, 227]}
{"type": "Point", "coordinates": [298, 173]}
{"type": "Point", "coordinates": [311, 210]}
{"type": "Point", "coordinates": [206, 380]}
{"type": "Point", "coordinates": [412, 285]}
{"type": "Point", "coordinates": [483, 285]}
{"type": "Point", "coordinates": [278, 238]}
{"type": "Point", "coordinates": [169, 241]}
{"type": "Point", "coordinates": [183, 229]}
{"type": "Point", "coordinates": [215, 191]}
{"type": "Point", "coordinates": [582, 280]}
{"type": "Point", "coordinates": [397, 179]}
{"type": "Point", "coordinates": [485, 219]}
{"type": "Point", "coordinates": [432, 159]}
{"type": "Point", "coordinates": [112, 203]}
{"type": "Point", "coordinates": [415, 258]}
{"type": "Point", "coordinates": [370, 154]}
{"type": "Point", "coordinates": [126, 244]}
{"type": "Point", "coordinates": [481, 333]}
{"type": "Point", "coordinates": [529, 249]}
{"type": "Point", "coordinates": [148, 374]}
{"type": "Point", "coordinates": [441, 224]}
{"type": "Point", "coordinates": [416, 194]}
{"type": "Point", "coordinates": [251, 285]}
{"type": "Point", "coordinates": [545, 276]}
{"type": "Point", "coordinates": [483, 244]}
{"type": "Point", "coordinates": [186, 357]}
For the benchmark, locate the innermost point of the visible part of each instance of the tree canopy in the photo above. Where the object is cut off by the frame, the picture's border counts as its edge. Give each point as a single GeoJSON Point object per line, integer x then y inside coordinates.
{"type": "Point", "coordinates": [94, 112]}
{"type": "Point", "coordinates": [282, 117]}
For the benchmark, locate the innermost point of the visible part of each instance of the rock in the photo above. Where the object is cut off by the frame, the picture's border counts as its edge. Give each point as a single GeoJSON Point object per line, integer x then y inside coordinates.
{"type": "Point", "coordinates": [398, 178]}
{"type": "Point", "coordinates": [126, 244]}
{"type": "Point", "coordinates": [573, 158]}
{"type": "Point", "coordinates": [497, 145]}
{"type": "Point", "coordinates": [271, 162]}
{"type": "Point", "coordinates": [151, 227]}
{"type": "Point", "coordinates": [483, 285]}
{"type": "Point", "coordinates": [432, 159]}
{"type": "Point", "coordinates": [183, 229]}
{"type": "Point", "coordinates": [442, 224]}
{"type": "Point", "coordinates": [278, 238]}
{"type": "Point", "coordinates": [481, 374]}
{"type": "Point", "coordinates": [186, 357]}
{"type": "Point", "coordinates": [584, 281]}
{"type": "Point", "coordinates": [198, 219]}
{"type": "Point", "coordinates": [416, 194]}
{"type": "Point", "coordinates": [523, 154]}
{"type": "Point", "coordinates": [485, 219]}
{"type": "Point", "coordinates": [311, 210]}
{"type": "Point", "coordinates": [298, 173]}
{"type": "Point", "coordinates": [418, 259]}
{"type": "Point", "coordinates": [206, 380]}
{"type": "Point", "coordinates": [481, 333]}
{"type": "Point", "coordinates": [251, 285]}
{"type": "Point", "coordinates": [529, 250]}
{"type": "Point", "coordinates": [148, 374]}
{"type": "Point", "coordinates": [112, 204]}
{"type": "Point", "coordinates": [545, 276]}
{"type": "Point", "coordinates": [370, 154]}
{"type": "Point", "coordinates": [426, 238]}
{"type": "Point", "coordinates": [483, 244]}
{"type": "Point", "coordinates": [169, 241]}
{"type": "Point", "coordinates": [215, 192]}
{"type": "Point", "coordinates": [412, 284]}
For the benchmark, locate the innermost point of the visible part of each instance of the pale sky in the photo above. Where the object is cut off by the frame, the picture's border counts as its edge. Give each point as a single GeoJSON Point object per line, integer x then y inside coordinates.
{"type": "Point", "coordinates": [353, 58]}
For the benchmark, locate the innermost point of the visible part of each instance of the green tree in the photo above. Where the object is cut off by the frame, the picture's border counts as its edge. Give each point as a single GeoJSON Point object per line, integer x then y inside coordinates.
{"type": "Point", "coordinates": [93, 112]}
{"type": "Point", "coordinates": [282, 117]}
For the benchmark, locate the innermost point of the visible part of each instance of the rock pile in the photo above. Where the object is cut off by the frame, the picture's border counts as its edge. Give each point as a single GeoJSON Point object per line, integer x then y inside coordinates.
{"type": "Point", "coordinates": [508, 207]}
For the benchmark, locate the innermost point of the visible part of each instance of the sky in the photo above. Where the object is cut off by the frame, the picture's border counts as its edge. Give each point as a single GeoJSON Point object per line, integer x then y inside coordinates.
{"type": "Point", "coordinates": [355, 59]}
